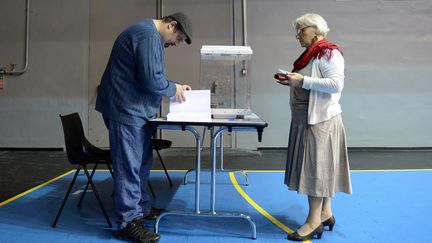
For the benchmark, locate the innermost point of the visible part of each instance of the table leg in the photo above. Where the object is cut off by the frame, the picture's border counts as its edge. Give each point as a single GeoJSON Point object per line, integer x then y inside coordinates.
{"type": "Point", "coordinates": [213, 169]}
{"type": "Point", "coordinates": [197, 179]}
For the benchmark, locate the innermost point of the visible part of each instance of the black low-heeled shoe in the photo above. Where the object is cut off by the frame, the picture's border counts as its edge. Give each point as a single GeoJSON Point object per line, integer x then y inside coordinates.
{"type": "Point", "coordinates": [296, 237]}
{"type": "Point", "coordinates": [330, 222]}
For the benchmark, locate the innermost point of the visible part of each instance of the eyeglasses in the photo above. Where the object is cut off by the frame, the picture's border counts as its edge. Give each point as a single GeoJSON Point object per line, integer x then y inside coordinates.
{"type": "Point", "coordinates": [301, 30]}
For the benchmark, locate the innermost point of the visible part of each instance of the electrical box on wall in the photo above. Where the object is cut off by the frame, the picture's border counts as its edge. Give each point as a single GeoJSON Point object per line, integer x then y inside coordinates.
{"type": "Point", "coordinates": [224, 71]}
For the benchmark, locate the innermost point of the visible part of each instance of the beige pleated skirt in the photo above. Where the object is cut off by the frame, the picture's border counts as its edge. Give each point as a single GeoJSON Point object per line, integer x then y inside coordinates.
{"type": "Point", "coordinates": [317, 158]}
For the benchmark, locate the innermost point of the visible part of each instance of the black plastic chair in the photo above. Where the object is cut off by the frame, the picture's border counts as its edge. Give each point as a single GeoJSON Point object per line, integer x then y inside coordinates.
{"type": "Point", "coordinates": [157, 145]}
{"type": "Point", "coordinates": [82, 153]}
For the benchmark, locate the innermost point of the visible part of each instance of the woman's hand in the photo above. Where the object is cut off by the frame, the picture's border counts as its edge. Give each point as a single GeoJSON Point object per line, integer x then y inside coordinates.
{"type": "Point", "coordinates": [291, 79]}
{"type": "Point", "coordinates": [295, 79]}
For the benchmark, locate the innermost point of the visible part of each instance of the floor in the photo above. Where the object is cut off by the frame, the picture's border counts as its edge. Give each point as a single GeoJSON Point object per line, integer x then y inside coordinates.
{"type": "Point", "coordinates": [387, 205]}
{"type": "Point", "coordinates": [21, 170]}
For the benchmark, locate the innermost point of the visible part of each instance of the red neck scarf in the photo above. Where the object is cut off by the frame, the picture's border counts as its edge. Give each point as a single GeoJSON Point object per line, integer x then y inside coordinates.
{"type": "Point", "coordinates": [317, 50]}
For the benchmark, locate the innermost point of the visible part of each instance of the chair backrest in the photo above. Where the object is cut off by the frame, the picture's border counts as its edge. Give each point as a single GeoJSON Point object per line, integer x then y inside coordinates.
{"type": "Point", "coordinates": [74, 137]}
{"type": "Point", "coordinates": [160, 144]}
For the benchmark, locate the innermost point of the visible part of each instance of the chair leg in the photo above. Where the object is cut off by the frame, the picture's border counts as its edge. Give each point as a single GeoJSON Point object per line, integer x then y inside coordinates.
{"type": "Point", "coordinates": [110, 170]}
{"type": "Point", "coordinates": [151, 189]}
{"type": "Point", "coordinates": [97, 196]}
{"type": "Point", "coordinates": [86, 187]}
{"type": "Point", "coordinates": [66, 197]}
{"type": "Point", "coordinates": [163, 165]}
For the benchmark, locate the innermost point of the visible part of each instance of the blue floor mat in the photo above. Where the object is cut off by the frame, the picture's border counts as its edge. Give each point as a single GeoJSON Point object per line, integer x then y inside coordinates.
{"type": "Point", "coordinates": [390, 206]}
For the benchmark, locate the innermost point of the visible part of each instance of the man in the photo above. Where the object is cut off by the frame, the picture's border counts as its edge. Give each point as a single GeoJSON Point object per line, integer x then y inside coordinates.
{"type": "Point", "coordinates": [130, 94]}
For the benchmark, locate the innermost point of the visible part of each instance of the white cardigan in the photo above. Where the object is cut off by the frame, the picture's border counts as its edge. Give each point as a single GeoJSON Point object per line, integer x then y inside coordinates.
{"type": "Point", "coordinates": [325, 85]}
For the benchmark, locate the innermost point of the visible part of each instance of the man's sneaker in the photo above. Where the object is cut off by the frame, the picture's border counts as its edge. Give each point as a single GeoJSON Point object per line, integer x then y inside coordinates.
{"type": "Point", "coordinates": [136, 232]}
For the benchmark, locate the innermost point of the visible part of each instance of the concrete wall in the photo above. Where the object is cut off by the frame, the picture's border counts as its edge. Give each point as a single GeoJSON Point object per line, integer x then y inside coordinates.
{"type": "Point", "coordinates": [107, 19]}
{"type": "Point", "coordinates": [387, 100]}
{"type": "Point", "coordinates": [388, 91]}
{"type": "Point", "coordinates": [57, 78]}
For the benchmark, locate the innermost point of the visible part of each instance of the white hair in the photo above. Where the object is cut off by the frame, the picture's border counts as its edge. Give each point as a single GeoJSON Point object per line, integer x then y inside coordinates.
{"type": "Point", "coordinates": [315, 20]}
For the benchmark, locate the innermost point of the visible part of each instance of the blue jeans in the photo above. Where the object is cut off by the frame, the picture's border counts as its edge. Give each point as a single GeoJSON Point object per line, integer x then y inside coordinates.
{"type": "Point", "coordinates": [132, 158]}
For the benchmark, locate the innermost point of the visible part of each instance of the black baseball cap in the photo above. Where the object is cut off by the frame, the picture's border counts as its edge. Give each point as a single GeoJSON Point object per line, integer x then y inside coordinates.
{"type": "Point", "coordinates": [184, 24]}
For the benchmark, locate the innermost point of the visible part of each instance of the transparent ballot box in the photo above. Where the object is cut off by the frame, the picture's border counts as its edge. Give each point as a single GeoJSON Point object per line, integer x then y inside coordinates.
{"type": "Point", "coordinates": [224, 71]}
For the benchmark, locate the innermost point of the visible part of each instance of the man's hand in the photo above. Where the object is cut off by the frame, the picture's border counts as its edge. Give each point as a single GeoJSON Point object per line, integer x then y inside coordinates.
{"type": "Point", "coordinates": [180, 96]}
{"type": "Point", "coordinates": [186, 87]}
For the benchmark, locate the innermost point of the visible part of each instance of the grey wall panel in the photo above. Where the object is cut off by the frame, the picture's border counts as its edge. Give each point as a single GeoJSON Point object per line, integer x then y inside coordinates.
{"type": "Point", "coordinates": [388, 105]}
{"type": "Point", "coordinates": [386, 102]}
{"type": "Point", "coordinates": [107, 19]}
{"type": "Point", "coordinates": [56, 80]}
{"type": "Point", "coordinates": [388, 92]}
{"type": "Point", "coordinates": [212, 23]}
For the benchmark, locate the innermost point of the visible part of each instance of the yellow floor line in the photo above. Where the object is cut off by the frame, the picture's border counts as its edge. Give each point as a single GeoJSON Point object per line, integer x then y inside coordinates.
{"type": "Point", "coordinates": [258, 207]}
{"type": "Point", "coordinates": [382, 170]}
{"type": "Point", "coordinates": [58, 177]}
{"type": "Point", "coordinates": [34, 188]}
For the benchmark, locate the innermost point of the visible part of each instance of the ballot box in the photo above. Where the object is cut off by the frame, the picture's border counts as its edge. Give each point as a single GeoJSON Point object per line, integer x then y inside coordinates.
{"type": "Point", "coordinates": [224, 70]}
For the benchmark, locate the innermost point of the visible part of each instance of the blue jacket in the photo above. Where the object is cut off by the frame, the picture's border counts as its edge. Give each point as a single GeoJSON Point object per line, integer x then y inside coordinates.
{"type": "Point", "coordinates": [134, 83]}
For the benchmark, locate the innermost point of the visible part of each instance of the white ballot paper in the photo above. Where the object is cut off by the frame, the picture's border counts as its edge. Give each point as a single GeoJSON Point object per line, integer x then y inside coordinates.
{"type": "Point", "coordinates": [195, 108]}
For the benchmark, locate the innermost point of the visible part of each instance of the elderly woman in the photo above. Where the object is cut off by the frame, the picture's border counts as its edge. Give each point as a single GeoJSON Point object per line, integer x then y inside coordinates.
{"type": "Point", "coordinates": [317, 161]}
